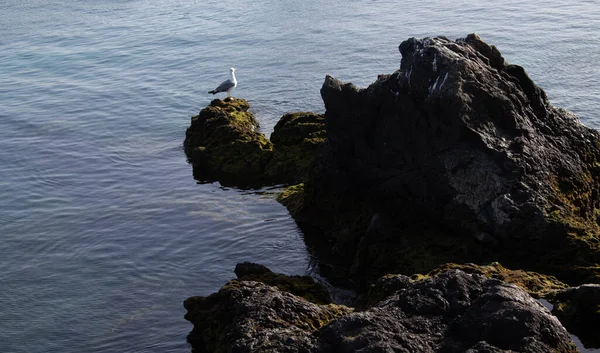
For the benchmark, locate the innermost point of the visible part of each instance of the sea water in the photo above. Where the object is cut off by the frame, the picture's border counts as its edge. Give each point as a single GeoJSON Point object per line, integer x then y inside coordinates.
{"type": "Point", "coordinates": [104, 232]}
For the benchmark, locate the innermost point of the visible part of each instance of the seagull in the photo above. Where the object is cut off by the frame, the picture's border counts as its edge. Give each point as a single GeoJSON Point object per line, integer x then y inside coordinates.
{"type": "Point", "coordinates": [226, 86]}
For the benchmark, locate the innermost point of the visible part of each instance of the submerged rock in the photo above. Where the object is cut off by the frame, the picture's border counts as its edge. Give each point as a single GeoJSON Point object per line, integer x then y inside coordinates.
{"type": "Point", "coordinates": [456, 157]}
{"type": "Point", "coordinates": [223, 144]}
{"type": "Point", "coordinates": [450, 312]}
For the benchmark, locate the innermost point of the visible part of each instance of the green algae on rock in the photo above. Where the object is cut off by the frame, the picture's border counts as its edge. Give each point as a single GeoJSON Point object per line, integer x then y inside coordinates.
{"type": "Point", "coordinates": [248, 313]}
{"type": "Point", "coordinates": [292, 197]}
{"type": "Point", "coordinates": [222, 143]}
{"type": "Point", "coordinates": [296, 137]}
{"type": "Point", "coordinates": [456, 157]}
{"type": "Point", "coordinates": [536, 284]}
{"type": "Point", "coordinates": [302, 286]}
{"type": "Point", "coordinates": [450, 312]}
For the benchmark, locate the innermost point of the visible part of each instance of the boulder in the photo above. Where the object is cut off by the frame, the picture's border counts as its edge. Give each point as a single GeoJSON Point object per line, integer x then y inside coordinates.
{"type": "Point", "coordinates": [451, 312]}
{"type": "Point", "coordinates": [296, 139]}
{"type": "Point", "coordinates": [537, 285]}
{"type": "Point", "coordinates": [223, 144]}
{"type": "Point", "coordinates": [578, 309]}
{"type": "Point", "coordinates": [456, 157]}
{"type": "Point", "coordinates": [301, 286]}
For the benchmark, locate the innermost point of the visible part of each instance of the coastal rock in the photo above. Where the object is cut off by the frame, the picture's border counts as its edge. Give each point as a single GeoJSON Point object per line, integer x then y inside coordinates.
{"type": "Point", "coordinates": [296, 139]}
{"type": "Point", "coordinates": [578, 309]}
{"type": "Point", "coordinates": [450, 312]}
{"type": "Point", "coordinates": [223, 144]}
{"type": "Point", "coordinates": [456, 157]}
{"type": "Point", "coordinates": [301, 286]}
{"type": "Point", "coordinates": [537, 285]}
{"type": "Point", "coordinates": [250, 316]}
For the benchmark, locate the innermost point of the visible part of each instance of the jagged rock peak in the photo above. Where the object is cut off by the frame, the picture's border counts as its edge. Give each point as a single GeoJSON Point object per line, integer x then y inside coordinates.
{"type": "Point", "coordinates": [458, 142]}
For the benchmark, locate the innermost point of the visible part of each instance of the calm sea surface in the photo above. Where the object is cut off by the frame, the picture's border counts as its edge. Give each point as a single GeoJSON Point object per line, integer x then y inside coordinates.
{"type": "Point", "coordinates": [103, 231]}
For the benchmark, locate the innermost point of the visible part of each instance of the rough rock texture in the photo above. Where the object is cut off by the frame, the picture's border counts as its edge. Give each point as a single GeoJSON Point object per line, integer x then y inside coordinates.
{"type": "Point", "coordinates": [456, 157]}
{"type": "Point", "coordinates": [536, 284]}
{"type": "Point", "coordinates": [579, 310]}
{"type": "Point", "coordinates": [224, 145]}
{"type": "Point", "coordinates": [296, 137]}
{"type": "Point", "coordinates": [451, 312]}
{"type": "Point", "coordinates": [302, 286]}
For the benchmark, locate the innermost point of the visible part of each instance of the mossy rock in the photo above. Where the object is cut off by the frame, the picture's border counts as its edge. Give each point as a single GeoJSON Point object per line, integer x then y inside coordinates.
{"type": "Point", "coordinates": [303, 286]}
{"type": "Point", "coordinates": [292, 197]}
{"type": "Point", "coordinates": [223, 144]}
{"type": "Point", "coordinates": [296, 137]}
{"type": "Point", "coordinates": [536, 284]}
{"type": "Point", "coordinates": [261, 301]}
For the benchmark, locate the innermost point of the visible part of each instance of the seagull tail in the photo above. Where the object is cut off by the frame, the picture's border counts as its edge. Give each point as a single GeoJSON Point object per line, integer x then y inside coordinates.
{"type": "Point", "coordinates": [213, 91]}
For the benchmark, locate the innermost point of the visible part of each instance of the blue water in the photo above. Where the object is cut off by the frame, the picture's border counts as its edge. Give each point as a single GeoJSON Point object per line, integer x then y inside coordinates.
{"type": "Point", "coordinates": [103, 231]}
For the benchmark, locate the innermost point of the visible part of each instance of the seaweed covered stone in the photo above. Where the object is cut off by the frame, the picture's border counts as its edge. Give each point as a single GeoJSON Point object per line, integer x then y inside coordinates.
{"type": "Point", "coordinates": [456, 157]}
{"type": "Point", "coordinates": [223, 143]}
{"type": "Point", "coordinates": [302, 286]}
{"type": "Point", "coordinates": [247, 315]}
{"type": "Point", "coordinates": [452, 311]}
{"type": "Point", "coordinates": [297, 138]}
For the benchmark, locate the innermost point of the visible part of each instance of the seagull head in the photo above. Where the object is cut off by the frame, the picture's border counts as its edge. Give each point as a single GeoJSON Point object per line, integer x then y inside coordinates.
{"type": "Point", "coordinates": [232, 69]}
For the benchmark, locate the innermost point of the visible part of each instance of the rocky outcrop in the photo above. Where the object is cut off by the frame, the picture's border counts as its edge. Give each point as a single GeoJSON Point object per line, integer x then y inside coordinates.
{"type": "Point", "coordinates": [223, 144]}
{"type": "Point", "coordinates": [450, 312]}
{"type": "Point", "coordinates": [296, 138]}
{"type": "Point", "coordinates": [535, 284]}
{"type": "Point", "coordinates": [456, 157]}
{"type": "Point", "coordinates": [579, 310]}
{"type": "Point", "coordinates": [301, 286]}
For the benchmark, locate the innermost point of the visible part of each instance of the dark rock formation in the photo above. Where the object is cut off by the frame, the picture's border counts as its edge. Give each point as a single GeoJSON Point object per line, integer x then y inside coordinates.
{"type": "Point", "coordinates": [250, 316]}
{"type": "Point", "coordinates": [579, 310]}
{"type": "Point", "coordinates": [301, 286]}
{"type": "Point", "coordinates": [451, 312]}
{"type": "Point", "coordinates": [535, 284]}
{"type": "Point", "coordinates": [456, 157]}
{"type": "Point", "coordinates": [296, 138]}
{"type": "Point", "coordinates": [223, 144]}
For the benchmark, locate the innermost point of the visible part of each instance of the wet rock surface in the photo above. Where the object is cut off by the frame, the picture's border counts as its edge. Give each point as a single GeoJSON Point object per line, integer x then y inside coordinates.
{"type": "Point", "coordinates": [301, 286]}
{"type": "Point", "coordinates": [578, 309]}
{"type": "Point", "coordinates": [450, 312]}
{"type": "Point", "coordinates": [224, 144]}
{"type": "Point", "coordinates": [456, 157]}
{"type": "Point", "coordinates": [296, 138]}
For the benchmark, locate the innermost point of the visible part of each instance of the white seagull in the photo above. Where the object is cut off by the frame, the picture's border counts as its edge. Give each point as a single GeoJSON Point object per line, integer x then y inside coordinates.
{"type": "Point", "coordinates": [226, 86]}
